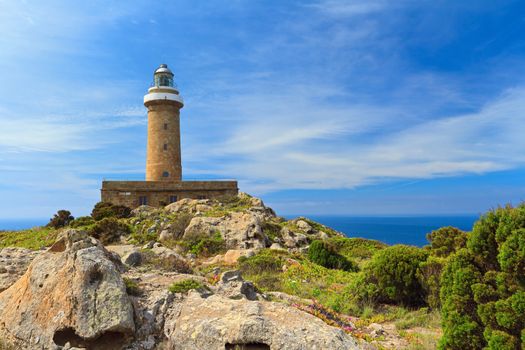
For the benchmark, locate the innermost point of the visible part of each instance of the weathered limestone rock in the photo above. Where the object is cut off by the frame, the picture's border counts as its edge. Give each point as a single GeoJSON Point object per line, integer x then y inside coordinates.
{"type": "Point", "coordinates": [143, 210]}
{"type": "Point", "coordinates": [233, 286]}
{"type": "Point", "coordinates": [240, 230]}
{"type": "Point", "coordinates": [303, 225]}
{"type": "Point", "coordinates": [217, 323]}
{"type": "Point", "coordinates": [188, 205]}
{"type": "Point", "coordinates": [72, 293]}
{"type": "Point", "coordinates": [13, 264]}
{"type": "Point", "coordinates": [133, 258]}
{"type": "Point", "coordinates": [276, 246]}
{"type": "Point", "coordinates": [230, 257]}
{"type": "Point", "coordinates": [293, 239]}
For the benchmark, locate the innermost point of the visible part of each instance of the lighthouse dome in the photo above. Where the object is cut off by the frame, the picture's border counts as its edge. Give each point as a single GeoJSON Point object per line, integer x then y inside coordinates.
{"type": "Point", "coordinates": [163, 76]}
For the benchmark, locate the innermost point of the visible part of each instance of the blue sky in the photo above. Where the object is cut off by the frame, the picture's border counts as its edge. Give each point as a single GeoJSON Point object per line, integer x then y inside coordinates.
{"type": "Point", "coordinates": [319, 107]}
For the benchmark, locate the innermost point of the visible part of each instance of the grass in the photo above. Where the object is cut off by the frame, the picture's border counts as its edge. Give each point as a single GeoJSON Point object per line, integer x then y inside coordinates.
{"type": "Point", "coordinates": [185, 285]}
{"type": "Point", "coordinates": [419, 318]}
{"type": "Point", "coordinates": [35, 238]}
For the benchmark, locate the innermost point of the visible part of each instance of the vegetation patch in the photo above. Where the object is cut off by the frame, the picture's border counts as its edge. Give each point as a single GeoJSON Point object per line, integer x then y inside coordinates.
{"type": "Point", "coordinates": [329, 316]}
{"type": "Point", "coordinates": [35, 238]}
{"type": "Point", "coordinates": [356, 248]}
{"type": "Point", "coordinates": [483, 285]}
{"type": "Point", "coordinates": [324, 254]}
{"type": "Point", "coordinates": [60, 219]}
{"type": "Point", "coordinates": [208, 246]}
{"type": "Point", "coordinates": [392, 276]}
{"type": "Point", "coordinates": [108, 230]}
{"type": "Point", "coordinates": [104, 210]}
{"type": "Point", "coordinates": [82, 222]}
{"type": "Point", "coordinates": [185, 286]}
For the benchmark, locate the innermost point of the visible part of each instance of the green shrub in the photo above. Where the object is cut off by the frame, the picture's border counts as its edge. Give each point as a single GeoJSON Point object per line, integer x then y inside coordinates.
{"type": "Point", "coordinates": [107, 210]}
{"type": "Point", "coordinates": [108, 230]}
{"type": "Point", "coordinates": [483, 285]}
{"type": "Point", "coordinates": [429, 276]}
{"type": "Point", "coordinates": [264, 269]}
{"type": "Point", "coordinates": [391, 276]}
{"type": "Point", "coordinates": [60, 219]}
{"type": "Point", "coordinates": [206, 246]}
{"type": "Point", "coordinates": [272, 230]}
{"type": "Point", "coordinates": [185, 285]}
{"type": "Point", "coordinates": [81, 221]}
{"type": "Point", "coordinates": [359, 248]}
{"type": "Point", "coordinates": [324, 254]}
{"type": "Point", "coordinates": [265, 261]}
{"type": "Point", "coordinates": [446, 240]}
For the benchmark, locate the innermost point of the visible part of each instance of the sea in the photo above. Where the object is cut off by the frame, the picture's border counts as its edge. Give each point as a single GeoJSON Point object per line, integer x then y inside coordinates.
{"type": "Point", "coordinates": [411, 230]}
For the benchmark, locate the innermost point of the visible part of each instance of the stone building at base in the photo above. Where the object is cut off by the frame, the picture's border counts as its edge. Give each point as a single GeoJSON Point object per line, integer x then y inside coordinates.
{"type": "Point", "coordinates": [161, 193]}
{"type": "Point", "coordinates": [164, 184]}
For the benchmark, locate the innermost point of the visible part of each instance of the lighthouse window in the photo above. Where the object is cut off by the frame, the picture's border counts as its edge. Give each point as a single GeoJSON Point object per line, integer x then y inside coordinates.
{"type": "Point", "coordinates": [165, 146]}
{"type": "Point", "coordinates": [166, 126]}
{"type": "Point", "coordinates": [165, 174]}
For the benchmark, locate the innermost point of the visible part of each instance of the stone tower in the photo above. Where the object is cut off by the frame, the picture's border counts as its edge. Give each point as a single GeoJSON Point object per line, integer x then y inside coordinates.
{"type": "Point", "coordinates": [163, 183]}
{"type": "Point", "coordinates": [163, 162]}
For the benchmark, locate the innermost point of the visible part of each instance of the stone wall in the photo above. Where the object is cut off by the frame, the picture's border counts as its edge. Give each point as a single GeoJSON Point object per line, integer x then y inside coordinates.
{"type": "Point", "coordinates": [161, 193]}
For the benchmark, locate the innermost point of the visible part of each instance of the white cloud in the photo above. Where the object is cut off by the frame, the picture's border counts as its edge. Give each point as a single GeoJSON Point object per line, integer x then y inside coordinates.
{"type": "Point", "coordinates": [307, 144]}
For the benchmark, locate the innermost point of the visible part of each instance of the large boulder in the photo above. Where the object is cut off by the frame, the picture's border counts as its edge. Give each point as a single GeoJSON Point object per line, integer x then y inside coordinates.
{"type": "Point", "coordinates": [218, 323]}
{"type": "Point", "coordinates": [240, 230]}
{"type": "Point", "coordinates": [13, 264]}
{"type": "Point", "coordinates": [72, 293]}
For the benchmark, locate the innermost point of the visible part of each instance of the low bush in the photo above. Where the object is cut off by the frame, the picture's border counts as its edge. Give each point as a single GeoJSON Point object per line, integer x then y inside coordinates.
{"type": "Point", "coordinates": [483, 285]}
{"type": "Point", "coordinates": [265, 261]}
{"type": "Point", "coordinates": [60, 219]}
{"type": "Point", "coordinates": [324, 254]}
{"type": "Point", "coordinates": [264, 269]}
{"type": "Point", "coordinates": [185, 285]}
{"type": "Point", "coordinates": [446, 240]}
{"type": "Point", "coordinates": [108, 230]}
{"type": "Point", "coordinates": [429, 276]}
{"type": "Point", "coordinates": [356, 248]}
{"type": "Point", "coordinates": [107, 210]}
{"type": "Point", "coordinates": [208, 246]}
{"type": "Point", "coordinates": [82, 221]}
{"type": "Point", "coordinates": [392, 276]}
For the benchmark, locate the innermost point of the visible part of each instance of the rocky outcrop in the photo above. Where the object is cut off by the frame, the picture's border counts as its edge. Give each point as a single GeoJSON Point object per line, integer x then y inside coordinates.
{"type": "Point", "coordinates": [240, 230]}
{"type": "Point", "coordinates": [13, 264]}
{"type": "Point", "coordinates": [72, 293]}
{"type": "Point", "coordinates": [218, 323]}
{"type": "Point", "coordinates": [188, 205]}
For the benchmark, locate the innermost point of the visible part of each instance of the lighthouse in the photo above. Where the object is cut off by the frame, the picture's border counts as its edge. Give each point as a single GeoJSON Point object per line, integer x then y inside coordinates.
{"type": "Point", "coordinates": [164, 184]}
{"type": "Point", "coordinates": [163, 101]}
